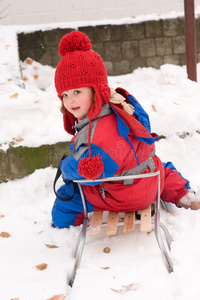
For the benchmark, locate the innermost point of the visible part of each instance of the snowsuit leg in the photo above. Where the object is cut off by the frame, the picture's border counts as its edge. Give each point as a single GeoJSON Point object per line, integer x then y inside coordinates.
{"type": "Point", "coordinates": [67, 213]}
{"type": "Point", "coordinates": [175, 185]}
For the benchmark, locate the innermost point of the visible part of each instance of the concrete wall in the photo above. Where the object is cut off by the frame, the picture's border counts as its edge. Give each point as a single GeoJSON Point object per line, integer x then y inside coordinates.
{"type": "Point", "coordinates": [14, 12]}
{"type": "Point", "coordinates": [123, 47]}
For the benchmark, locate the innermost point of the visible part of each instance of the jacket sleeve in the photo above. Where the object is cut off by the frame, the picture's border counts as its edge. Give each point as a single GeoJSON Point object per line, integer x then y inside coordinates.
{"type": "Point", "coordinates": [69, 166]}
{"type": "Point", "coordinates": [175, 185]}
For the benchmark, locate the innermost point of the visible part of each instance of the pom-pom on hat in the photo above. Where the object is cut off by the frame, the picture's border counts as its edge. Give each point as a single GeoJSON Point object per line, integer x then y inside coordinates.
{"type": "Point", "coordinates": [82, 67]}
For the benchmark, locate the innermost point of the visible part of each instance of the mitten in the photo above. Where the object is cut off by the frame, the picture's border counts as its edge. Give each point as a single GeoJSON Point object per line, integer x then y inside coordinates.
{"type": "Point", "coordinates": [189, 201]}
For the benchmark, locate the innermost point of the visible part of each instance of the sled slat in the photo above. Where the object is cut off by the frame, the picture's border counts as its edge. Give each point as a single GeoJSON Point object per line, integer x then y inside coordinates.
{"type": "Point", "coordinates": [129, 222]}
{"type": "Point", "coordinates": [95, 228]}
{"type": "Point", "coordinates": [145, 225]}
{"type": "Point", "coordinates": [112, 222]}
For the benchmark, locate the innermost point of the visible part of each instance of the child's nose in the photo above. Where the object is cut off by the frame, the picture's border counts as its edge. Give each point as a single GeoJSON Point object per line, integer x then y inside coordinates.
{"type": "Point", "coordinates": [71, 99]}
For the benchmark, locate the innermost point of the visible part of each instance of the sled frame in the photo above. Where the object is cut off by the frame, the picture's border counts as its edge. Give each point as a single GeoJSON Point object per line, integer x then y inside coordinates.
{"type": "Point", "coordinates": [159, 227]}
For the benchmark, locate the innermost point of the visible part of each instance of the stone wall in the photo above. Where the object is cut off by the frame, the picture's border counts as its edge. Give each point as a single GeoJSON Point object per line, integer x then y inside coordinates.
{"type": "Point", "coordinates": [18, 162]}
{"type": "Point", "coordinates": [123, 47]}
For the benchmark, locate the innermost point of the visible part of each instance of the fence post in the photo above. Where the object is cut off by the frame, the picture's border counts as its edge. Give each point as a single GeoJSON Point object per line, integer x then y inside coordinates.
{"type": "Point", "coordinates": [190, 40]}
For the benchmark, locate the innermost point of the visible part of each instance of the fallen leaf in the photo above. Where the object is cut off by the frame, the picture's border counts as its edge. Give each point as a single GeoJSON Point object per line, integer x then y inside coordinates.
{"type": "Point", "coordinates": [18, 139]}
{"type": "Point", "coordinates": [15, 95]}
{"type": "Point", "coordinates": [173, 214]}
{"type": "Point", "coordinates": [126, 288]}
{"type": "Point", "coordinates": [176, 103]}
{"type": "Point", "coordinates": [14, 299]}
{"type": "Point", "coordinates": [9, 79]}
{"type": "Point", "coordinates": [35, 68]}
{"type": "Point", "coordinates": [2, 216]}
{"type": "Point", "coordinates": [105, 268]}
{"type": "Point", "coordinates": [57, 297]}
{"type": "Point", "coordinates": [35, 77]}
{"type": "Point", "coordinates": [169, 83]}
{"type": "Point", "coordinates": [4, 64]}
{"type": "Point", "coordinates": [154, 108]}
{"type": "Point", "coordinates": [29, 61]}
{"type": "Point", "coordinates": [25, 78]}
{"type": "Point", "coordinates": [41, 266]}
{"type": "Point", "coordinates": [4, 234]}
{"type": "Point", "coordinates": [133, 17]}
{"type": "Point", "coordinates": [7, 46]}
{"type": "Point", "coordinates": [106, 250]}
{"type": "Point", "coordinates": [51, 246]}
{"type": "Point", "coordinates": [36, 101]}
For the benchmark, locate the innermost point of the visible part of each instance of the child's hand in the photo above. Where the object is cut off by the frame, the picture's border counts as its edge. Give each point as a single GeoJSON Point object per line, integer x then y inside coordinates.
{"type": "Point", "coordinates": [189, 201]}
{"type": "Point", "coordinates": [195, 205]}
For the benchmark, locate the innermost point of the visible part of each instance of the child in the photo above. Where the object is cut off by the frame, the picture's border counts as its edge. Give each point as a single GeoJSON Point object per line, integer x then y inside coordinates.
{"type": "Point", "coordinates": [111, 138]}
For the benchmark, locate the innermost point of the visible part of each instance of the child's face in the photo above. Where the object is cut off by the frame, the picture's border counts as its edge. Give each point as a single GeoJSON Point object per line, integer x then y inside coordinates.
{"type": "Point", "coordinates": [78, 101]}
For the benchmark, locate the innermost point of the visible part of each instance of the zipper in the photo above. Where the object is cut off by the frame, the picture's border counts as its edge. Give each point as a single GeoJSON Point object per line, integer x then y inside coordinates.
{"type": "Point", "coordinates": [102, 192]}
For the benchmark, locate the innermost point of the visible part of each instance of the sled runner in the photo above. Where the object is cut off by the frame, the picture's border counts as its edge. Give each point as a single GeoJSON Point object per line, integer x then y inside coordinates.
{"type": "Point", "coordinates": [146, 222]}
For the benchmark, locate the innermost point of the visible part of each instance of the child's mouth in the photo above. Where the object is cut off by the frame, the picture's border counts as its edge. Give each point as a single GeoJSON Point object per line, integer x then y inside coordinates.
{"type": "Point", "coordinates": [75, 108]}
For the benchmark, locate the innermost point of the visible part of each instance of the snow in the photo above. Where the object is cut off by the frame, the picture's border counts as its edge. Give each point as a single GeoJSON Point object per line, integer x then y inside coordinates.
{"type": "Point", "coordinates": [134, 268]}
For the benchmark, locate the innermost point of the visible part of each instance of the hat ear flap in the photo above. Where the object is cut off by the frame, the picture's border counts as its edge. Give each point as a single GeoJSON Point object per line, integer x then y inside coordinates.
{"type": "Point", "coordinates": [105, 92]}
{"type": "Point", "coordinates": [96, 106]}
{"type": "Point", "coordinates": [101, 96]}
{"type": "Point", "coordinates": [69, 122]}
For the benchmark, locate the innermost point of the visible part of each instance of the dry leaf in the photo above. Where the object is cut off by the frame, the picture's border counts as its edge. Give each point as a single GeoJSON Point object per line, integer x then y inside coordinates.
{"type": "Point", "coordinates": [25, 78]}
{"type": "Point", "coordinates": [41, 266]}
{"type": "Point", "coordinates": [14, 299]}
{"type": "Point", "coordinates": [154, 108]}
{"type": "Point", "coordinates": [169, 83]}
{"type": "Point", "coordinates": [35, 77]}
{"type": "Point", "coordinates": [7, 46]}
{"type": "Point", "coordinates": [176, 103]}
{"type": "Point", "coordinates": [29, 61]}
{"type": "Point", "coordinates": [2, 216]}
{"type": "Point", "coordinates": [126, 288]}
{"type": "Point", "coordinates": [51, 246]}
{"type": "Point", "coordinates": [9, 79]}
{"type": "Point", "coordinates": [15, 95]}
{"type": "Point", "coordinates": [57, 297]}
{"type": "Point", "coordinates": [36, 101]}
{"type": "Point", "coordinates": [4, 64]}
{"type": "Point", "coordinates": [173, 214]}
{"type": "Point", "coordinates": [4, 234]}
{"type": "Point", "coordinates": [106, 250]}
{"type": "Point", "coordinates": [35, 68]}
{"type": "Point", "coordinates": [105, 268]}
{"type": "Point", "coordinates": [18, 139]}
{"type": "Point", "coordinates": [133, 17]}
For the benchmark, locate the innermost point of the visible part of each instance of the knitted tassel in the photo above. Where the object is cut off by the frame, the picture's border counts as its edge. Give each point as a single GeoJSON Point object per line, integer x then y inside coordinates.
{"type": "Point", "coordinates": [91, 168]}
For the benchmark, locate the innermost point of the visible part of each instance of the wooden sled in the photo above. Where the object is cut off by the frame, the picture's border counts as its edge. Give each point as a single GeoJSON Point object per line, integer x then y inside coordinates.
{"type": "Point", "coordinates": [146, 222]}
{"type": "Point", "coordinates": [113, 222]}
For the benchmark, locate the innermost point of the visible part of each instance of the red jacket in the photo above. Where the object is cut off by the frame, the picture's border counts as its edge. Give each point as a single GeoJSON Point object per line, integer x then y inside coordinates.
{"type": "Point", "coordinates": [126, 147]}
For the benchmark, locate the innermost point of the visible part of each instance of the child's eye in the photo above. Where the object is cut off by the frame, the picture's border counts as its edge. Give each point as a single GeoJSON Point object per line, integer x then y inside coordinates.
{"type": "Point", "coordinates": [64, 96]}
{"type": "Point", "coordinates": [76, 92]}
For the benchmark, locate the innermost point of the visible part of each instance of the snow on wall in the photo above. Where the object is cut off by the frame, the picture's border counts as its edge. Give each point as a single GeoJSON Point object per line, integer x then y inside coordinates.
{"type": "Point", "coordinates": [22, 12]}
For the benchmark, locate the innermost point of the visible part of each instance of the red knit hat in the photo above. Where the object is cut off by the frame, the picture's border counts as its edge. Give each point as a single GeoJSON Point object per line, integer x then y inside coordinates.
{"type": "Point", "coordinates": [82, 67]}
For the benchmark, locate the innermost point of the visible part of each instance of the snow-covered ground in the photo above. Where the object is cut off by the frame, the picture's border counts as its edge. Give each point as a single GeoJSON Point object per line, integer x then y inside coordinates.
{"type": "Point", "coordinates": [133, 269]}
